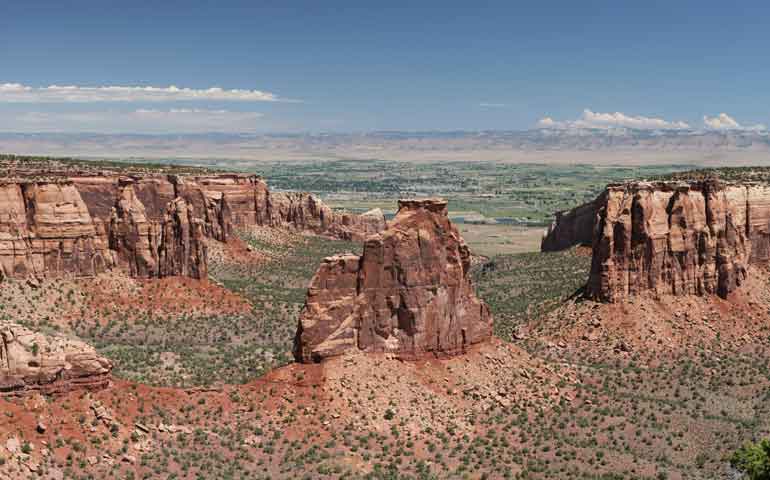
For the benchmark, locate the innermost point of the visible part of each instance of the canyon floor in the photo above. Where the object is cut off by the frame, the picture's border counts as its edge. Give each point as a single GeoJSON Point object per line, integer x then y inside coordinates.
{"type": "Point", "coordinates": [204, 385]}
{"type": "Point", "coordinates": [571, 389]}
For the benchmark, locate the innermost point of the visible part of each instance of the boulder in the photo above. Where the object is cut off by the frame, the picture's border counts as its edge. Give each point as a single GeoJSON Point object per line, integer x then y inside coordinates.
{"type": "Point", "coordinates": [31, 361]}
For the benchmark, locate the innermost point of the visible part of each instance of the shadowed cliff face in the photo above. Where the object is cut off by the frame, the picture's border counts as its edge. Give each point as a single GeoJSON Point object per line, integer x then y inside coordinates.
{"type": "Point", "coordinates": [148, 225]}
{"type": "Point", "coordinates": [408, 294]}
{"type": "Point", "coordinates": [678, 238]}
{"type": "Point", "coordinates": [570, 228]}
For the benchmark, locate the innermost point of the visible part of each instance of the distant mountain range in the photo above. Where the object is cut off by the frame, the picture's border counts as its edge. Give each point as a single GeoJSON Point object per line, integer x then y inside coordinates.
{"type": "Point", "coordinates": [449, 145]}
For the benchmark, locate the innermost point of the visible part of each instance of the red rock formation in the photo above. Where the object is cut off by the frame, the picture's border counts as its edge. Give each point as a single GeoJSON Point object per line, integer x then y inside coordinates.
{"type": "Point", "coordinates": [46, 230]}
{"type": "Point", "coordinates": [182, 248]}
{"type": "Point", "coordinates": [570, 228]}
{"type": "Point", "coordinates": [30, 361]}
{"type": "Point", "coordinates": [81, 224]}
{"type": "Point", "coordinates": [226, 201]}
{"type": "Point", "coordinates": [408, 294]}
{"type": "Point", "coordinates": [357, 227]}
{"type": "Point", "coordinates": [678, 238]}
{"type": "Point", "coordinates": [173, 246]}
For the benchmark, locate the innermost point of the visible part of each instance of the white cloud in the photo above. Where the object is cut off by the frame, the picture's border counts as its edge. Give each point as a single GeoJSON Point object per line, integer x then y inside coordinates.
{"type": "Point", "coordinates": [724, 121]}
{"type": "Point", "coordinates": [492, 105]}
{"type": "Point", "coordinates": [591, 119]}
{"type": "Point", "coordinates": [135, 121]}
{"type": "Point", "coordinates": [18, 93]}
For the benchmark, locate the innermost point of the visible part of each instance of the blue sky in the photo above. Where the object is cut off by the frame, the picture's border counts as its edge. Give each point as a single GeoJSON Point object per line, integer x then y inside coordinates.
{"type": "Point", "coordinates": [358, 66]}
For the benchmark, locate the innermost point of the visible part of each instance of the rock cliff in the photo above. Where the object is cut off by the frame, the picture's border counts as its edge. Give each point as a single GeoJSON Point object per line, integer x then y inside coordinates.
{"type": "Point", "coordinates": [30, 361]}
{"type": "Point", "coordinates": [409, 293]}
{"type": "Point", "coordinates": [570, 228]}
{"type": "Point", "coordinates": [678, 238]}
{"type": "Point", "coordinates": [55, 224]}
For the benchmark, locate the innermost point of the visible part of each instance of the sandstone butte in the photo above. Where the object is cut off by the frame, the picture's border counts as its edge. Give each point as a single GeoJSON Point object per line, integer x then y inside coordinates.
{"type": "Point", "coordinates": [150, 225]}
{"type": "Point", "coordinates": [408, 294]}
{"type": "Point", "coordinates": [671, 238]}
{"type": "Point", "coordinates": [32, 362]}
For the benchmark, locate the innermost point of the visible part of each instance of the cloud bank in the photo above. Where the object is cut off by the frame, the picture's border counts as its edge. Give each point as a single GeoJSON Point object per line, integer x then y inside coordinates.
{"type": "Point", "coordinates": [595, 120]}
{"type": "Point", "coordinates": [135, 121]}
{"type": "Point", "coordinates": [724, 121]}
{"type": "Point", "coordinates": [18, 93]}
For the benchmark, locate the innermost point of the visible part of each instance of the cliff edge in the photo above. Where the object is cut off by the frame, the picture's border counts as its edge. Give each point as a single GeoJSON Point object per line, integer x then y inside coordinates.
{"type": "Point", "coordinates": [678, 238]}
{"type": "Point", "coordinates": [81, 223]}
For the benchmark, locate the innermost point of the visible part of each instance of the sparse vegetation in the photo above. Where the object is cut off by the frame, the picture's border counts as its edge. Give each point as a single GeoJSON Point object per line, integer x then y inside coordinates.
{"type": "Point", "coordinates": [534, 410]}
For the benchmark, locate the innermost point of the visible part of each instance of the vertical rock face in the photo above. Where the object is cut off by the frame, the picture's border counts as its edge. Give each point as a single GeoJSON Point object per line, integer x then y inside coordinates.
{"type": "Point", "coordinates": [408, 294]}
{"type": "Point", "coordinates": [132, 236]}
{"type": "Point", "coordinates": [144, 248]}
{"type": "Point", "coordinates": [45, 229]}
{"type": "Point", "coordinates": [225, 201]}
{"type": "Point", "coordinates": [570, 228]}
{"type": "Point", "coordinates": [182, 248]}
{"type": "Point", "coordinates": [672, 238]}
{"type": "Point", "coordinates": [148, 225]}
{"type": "Point", "coordinates": [30, 361]}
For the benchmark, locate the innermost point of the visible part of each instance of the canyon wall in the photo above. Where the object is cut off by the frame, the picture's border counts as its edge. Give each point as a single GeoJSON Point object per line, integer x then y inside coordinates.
{"type": "Point", "coordinates": [408, 294]}
{"type": "Point", "coordinates": [151, 225]}
{"type": "Point", "coordinates": [678, 238]}
{"type": "Point", "coordinates": [570, 228]}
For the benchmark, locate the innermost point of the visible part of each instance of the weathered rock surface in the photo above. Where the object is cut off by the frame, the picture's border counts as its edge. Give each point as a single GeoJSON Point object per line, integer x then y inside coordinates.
{"type": "Point", "coordinates": [151, 225]}
{"type": "Point", "coordinates": [571, 228]}
{"type": "Point", "coordinates": [30, 361]}
{"type": "Point", "coordinates": [46, 230]}
{"type": "Point", "coordinates": [351, 227]}
{"type": "Point", "coordinates": [409, 293]}
{"type": "Point", "coordinates": [678, 238]}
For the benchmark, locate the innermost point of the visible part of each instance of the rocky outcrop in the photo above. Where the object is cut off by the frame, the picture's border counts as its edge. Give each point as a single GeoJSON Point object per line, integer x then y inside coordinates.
{"type": "Point", "coordinates": [228, 201]}
{"type": "Point", "coordinates": [151, 225]}
{"type": "Point", "coordinates": [46, 230]}
{"type": "Point", "coordinates": [570, 228]}
{"type": "Point", "coordinates": [302, 211]}
{"type": "Point", "coordinates": [408, 294]}
{"type": "Point", "coordinates": [145, 248]}
{"type": "Point", "coordinates": [356, 228]}
{"type": "Point", "coordinates": [30, 361]}
{"type": "Point", "coordinates": [678, 238]}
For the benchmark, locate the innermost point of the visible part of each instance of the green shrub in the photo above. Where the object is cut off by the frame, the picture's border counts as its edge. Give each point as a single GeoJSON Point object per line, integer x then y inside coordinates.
{"type": "Point", "coordinates": [753, 459]}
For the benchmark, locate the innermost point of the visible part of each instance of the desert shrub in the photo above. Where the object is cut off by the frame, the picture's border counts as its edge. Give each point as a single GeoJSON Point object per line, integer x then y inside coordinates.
{"type": "Point", "coordinates": [753, 459]}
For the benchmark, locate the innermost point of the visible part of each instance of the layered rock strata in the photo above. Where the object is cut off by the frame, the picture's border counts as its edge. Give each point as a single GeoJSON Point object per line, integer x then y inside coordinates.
{"type": "Point", "coordinates": [408, 294]}
{"type": "Point", "coordinates": [30, 361]}
{"type": "Point", "coordinates": [678, 238]}
{"type": "Point", "coordinates": [570, 228]}
{"type": "Point", "coordinates": [48, 231]}
{"type": "Point", "coordinates": [150, 225]}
